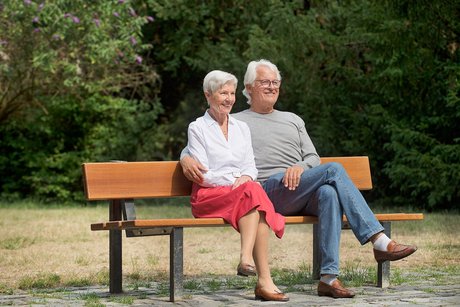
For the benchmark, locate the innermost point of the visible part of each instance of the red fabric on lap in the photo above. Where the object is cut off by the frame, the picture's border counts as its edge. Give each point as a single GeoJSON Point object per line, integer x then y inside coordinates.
{"type": "Point", "coordinates": [231, 205]}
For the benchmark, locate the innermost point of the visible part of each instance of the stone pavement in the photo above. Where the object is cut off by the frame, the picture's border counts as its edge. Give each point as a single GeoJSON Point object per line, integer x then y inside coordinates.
{"type": "Point", "coordinates": [424, 294]}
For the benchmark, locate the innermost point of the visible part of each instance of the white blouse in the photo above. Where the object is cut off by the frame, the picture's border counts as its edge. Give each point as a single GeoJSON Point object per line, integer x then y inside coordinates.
{"type": "Point", "coordinates": [225, 160]}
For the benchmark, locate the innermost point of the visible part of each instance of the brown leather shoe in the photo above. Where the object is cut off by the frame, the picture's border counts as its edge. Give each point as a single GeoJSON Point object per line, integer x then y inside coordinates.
{"type": "Point", "coordinates": [336, 290]}
{"type": "Point", "coordinates": [245, 269]}
{"type": "Point", "coordinates": [395, 252]}
{"type": "Point", "coordinates": [264, 295]}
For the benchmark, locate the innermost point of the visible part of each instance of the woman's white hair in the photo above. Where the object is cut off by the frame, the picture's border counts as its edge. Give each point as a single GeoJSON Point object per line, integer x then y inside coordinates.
{"type": "Point", "coordinates": [251, 74]}
{"type": "Point", "coordinates": [215, 79]}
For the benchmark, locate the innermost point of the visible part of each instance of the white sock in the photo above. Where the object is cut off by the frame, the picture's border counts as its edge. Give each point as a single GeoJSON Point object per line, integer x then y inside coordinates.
{"type": "Point", "coordinates": [382, 242]}
{"type": "Point", "coordinates": [328, 279]}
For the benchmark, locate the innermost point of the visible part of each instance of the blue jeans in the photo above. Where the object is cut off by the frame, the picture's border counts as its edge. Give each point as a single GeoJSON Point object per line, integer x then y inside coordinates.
{"type": "Point", "coordinates": [326, 191]}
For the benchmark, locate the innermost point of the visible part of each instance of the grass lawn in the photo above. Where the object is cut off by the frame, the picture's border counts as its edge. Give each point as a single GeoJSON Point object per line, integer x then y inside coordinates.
{"type": "Point", "coordinates": [52, 247]}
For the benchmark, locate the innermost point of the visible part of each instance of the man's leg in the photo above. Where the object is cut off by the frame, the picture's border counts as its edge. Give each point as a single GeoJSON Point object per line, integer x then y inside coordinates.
{"type": "Point", "coordinates": [360, 217]}
{"type": "Point", "coordinates": [329, 214]}
{"type": "Point", "coordinates": [340, 196]}
{"type": "Point", "coordinates": [312, 197]}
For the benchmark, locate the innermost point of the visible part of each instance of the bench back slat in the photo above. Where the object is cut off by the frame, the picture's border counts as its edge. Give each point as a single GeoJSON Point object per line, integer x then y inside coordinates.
{"type": "Point", "coordinates": [125, 180]}
{"type": "Point", "coordinates": [358, 169]}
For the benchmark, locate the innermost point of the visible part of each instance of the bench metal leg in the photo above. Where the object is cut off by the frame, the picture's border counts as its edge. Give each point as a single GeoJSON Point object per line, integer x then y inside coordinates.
{"type": "Point", "coordinates": [316, 253]}
{"type": "Point", "coordinates": [129, 214]}
{"type": "Point", "coordinates": [176, 263]}
{"type": "Point", "coordinates": [383, 269]}
{"type": "Point", "coordinates": [115, 249]}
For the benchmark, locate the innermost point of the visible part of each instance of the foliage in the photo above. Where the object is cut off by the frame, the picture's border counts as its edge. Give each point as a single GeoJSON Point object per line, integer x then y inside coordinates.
{"type": "Point", "coordinates": [376, 79]}
{"type": "Point", "coordinates": [46, 152]}
{"type": "Point", "coordinates": [424, 95]}
{"type": "Point", "coordinates": [74, 86]}
{"type": "Point", "coordinates": [369, 78]}
{"type": "Point", "coordinates": [68, 47]}
{"type": "Point", "coordinates": [196, 37]}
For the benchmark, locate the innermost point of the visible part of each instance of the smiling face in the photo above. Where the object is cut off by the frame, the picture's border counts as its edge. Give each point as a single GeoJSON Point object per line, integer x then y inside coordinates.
{"type": "Point", "coordinates": [263, 94]}
{"type": "Point", "coordinates": [222, 100]}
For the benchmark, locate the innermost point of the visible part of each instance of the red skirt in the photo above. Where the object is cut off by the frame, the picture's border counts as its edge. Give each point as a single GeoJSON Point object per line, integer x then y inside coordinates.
{"type": "Point", "coordinates": [231, 205]}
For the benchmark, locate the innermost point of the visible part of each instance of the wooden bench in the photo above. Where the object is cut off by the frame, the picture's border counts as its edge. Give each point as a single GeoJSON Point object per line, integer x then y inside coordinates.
{"type": "Point", "coordinates": [121, 183]}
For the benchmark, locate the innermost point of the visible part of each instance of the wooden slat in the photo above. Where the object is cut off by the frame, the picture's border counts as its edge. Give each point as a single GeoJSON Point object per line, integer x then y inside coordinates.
{"type": "Point", "coordinates": [358, 169]}
{"type": "Point", "coordinates": [382, 217]}
{"type": "Point", "coordinates": [390, 217]}
{"type": "Point", "coordinates": [212, 222]}
{"type": "Point", "coordinates": [124, 180]}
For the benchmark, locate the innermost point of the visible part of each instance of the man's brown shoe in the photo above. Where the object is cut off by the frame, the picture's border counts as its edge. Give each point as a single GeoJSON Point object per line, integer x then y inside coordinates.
{"type": "Point", "coordinates": [336, 290]}
{"type": "Point", "coordinates": [394, 252]}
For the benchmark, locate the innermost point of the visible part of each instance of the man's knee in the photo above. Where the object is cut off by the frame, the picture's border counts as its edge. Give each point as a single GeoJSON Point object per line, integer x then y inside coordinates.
{"type": "Point", "coordinates": [328, 203]}
{"type": "Point", "coordinates": [273, 182]}
{"type": "Point", "coordinates": [334, 168]}
{"type": "Point", "coordinates": [326, 192]}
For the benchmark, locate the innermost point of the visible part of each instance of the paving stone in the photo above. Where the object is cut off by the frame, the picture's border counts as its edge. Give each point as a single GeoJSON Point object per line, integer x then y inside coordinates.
{"type": "Point", "coordinates": [404, 295]}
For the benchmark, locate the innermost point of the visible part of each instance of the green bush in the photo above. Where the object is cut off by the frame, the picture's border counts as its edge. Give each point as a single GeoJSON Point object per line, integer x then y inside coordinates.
{"type": "Point", "coordinates": [75, 86]}
{"type": "Point", "coordinates": [80, 81]}
{"type": "Point", "coordinates": [44, 156]}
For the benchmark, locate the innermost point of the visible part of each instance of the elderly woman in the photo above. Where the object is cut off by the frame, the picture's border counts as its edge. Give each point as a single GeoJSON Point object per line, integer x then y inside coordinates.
{"type": "Point", "coordinates": [223, 145]}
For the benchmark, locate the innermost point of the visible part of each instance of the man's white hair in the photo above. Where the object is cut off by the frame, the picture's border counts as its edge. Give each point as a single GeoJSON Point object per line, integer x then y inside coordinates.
{"type": "Point", "coordinates": [251, 74]}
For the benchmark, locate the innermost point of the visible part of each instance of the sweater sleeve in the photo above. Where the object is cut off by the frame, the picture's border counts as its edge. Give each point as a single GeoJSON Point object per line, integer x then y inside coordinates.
{"type": "Point", "coordinates": [310, 157]}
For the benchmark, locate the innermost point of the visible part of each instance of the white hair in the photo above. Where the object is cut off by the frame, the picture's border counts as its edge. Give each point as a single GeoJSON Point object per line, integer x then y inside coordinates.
{"type": "Point", "coordinates": [251, 74]}
{"type": "Point", "coordinates": [215, 79]}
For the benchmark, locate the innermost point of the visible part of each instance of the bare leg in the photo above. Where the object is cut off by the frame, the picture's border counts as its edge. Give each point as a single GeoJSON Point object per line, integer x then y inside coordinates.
{"type": "Point", "coordinates": [248, 225]}
{"type": "Point", "coordinates": [261, 256]}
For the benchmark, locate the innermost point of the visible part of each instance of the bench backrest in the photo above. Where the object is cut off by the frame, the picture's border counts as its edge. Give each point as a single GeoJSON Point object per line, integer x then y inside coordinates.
{"type": "Point", "coordinates": [131, 180]}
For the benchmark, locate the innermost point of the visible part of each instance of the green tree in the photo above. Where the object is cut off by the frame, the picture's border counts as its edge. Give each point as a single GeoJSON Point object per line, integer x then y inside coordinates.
{"type": "Point", "coordinates": [75, 85]}
{"type": "Point", "coordinates": [69, 48]}
{"type": "Point", "coordinates": [196, 37]}
{"type": "Point", "coordinates": [369, 78]}
{"type": "Point", "coordinates": [380, 79]}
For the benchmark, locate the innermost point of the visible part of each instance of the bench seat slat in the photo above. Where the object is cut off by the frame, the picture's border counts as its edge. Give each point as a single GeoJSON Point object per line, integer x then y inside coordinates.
{"type": "Point", "coordinates": [212, 222]}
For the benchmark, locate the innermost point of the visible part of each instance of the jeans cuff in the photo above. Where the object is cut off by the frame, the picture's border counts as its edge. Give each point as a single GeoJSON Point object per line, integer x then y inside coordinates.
{"type": "Point", "coordinates": [366, 239]}
{"type": "Point", "coordinates": [327, 272]}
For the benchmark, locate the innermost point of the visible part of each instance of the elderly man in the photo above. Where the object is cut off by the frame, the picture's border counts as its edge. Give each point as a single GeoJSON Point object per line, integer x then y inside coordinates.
{"type": "Point", "coordinates": [297, 184]}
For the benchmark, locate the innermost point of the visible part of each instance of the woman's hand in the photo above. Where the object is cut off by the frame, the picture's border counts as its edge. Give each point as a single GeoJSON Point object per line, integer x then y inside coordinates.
{"type": "Point", "coordinates": [193, 169]}
{"type": "Point", "coordinates": [239, 181]}
{"type": "Point", "coordinates": [291, 178]}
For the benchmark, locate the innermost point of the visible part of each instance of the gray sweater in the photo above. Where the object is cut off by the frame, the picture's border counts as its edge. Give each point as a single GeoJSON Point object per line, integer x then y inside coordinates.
{"type": "Point", "coordinates": [279, 140]}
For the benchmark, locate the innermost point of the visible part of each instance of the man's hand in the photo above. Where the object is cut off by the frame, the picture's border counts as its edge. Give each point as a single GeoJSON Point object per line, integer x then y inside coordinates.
{"type": "Point", "coordinates": [239, 181]}
{"type": "Point", "coordinates": [291, 178]}
{"type": "Point", "coordinates": [193, 169]}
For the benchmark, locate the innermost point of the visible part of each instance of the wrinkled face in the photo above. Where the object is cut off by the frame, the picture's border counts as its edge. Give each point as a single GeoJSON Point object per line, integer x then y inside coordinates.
{"type": "Point", "coordinates": [222, 100]}
{"type": "Point", "coordinates": [265, 91]}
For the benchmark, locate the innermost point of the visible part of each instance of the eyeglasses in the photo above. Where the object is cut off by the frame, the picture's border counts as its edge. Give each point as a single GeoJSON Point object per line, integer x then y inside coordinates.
{"type": "Point", "coordinates": [267, 83]}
